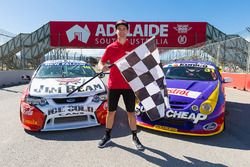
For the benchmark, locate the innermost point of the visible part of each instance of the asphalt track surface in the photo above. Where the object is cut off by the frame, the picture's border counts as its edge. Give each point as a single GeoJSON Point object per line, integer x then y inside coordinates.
{"type": "Point", "coordinates": [76, 148]}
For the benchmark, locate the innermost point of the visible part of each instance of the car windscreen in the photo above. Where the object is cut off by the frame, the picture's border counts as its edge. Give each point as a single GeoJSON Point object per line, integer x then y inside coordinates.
{"type": "Point", "coordinates": [190, 73]}
{"type": "Point", "coordinates": [64, 71]}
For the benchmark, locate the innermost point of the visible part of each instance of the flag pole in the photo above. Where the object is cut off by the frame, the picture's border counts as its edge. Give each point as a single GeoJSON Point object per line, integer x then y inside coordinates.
{"type": "Point", "coordinates": [98, 74]}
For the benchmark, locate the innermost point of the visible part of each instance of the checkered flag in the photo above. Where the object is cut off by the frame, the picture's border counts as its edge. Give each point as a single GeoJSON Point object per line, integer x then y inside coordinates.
{"type": "Point", "coordinates": [141, 68]}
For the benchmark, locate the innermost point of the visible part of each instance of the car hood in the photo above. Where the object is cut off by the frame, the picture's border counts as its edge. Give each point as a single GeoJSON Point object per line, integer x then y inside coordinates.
{"type": "Point", "coordinates": [190, 89]}
{"type": "Point", "coordinates": [60, 87]}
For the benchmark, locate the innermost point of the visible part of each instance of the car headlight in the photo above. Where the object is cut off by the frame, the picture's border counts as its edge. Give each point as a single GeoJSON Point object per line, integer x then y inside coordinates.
{"type": "Point", "coordinates": [32, 100]}
{"type": "Point", "coordinates": [206, 108]}
{"type": "Point", "coordinates": [99, 97]}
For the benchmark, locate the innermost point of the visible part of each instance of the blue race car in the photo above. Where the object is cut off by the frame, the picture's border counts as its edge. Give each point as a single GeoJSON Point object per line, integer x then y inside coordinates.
{"type": "Point", "coordinates": [197, 99]}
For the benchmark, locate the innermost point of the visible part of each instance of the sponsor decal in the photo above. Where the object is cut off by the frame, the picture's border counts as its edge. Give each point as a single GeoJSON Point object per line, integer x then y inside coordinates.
{"type": "Point", "coordinates": [207, 68]}
{"type": "Point", "coordinates": [48, 89]}
{"type": "Point", "coordinates": [193, 65]}
{"type": "Point", "coordinates": [182, 39]}
{"type": "Point", "coordinates": [66, 63]}
{"type": "Point", "coordinates": [210, 126]}
{"type": "Point", "coordinates": [183, 92]}
{"type": "Point", "coordinates": [196, 65]}
{"type": "Point", "coordinates": [69, 88]}
{"type": "Point", "coordinates": [165, 128]}
{"type": "Point", "coordinates": [66, 81]}
{"type": "Point", "coordinates": [182, 28]}
{"type": "Point", "coordinates": [28, 111]}
{"type": "Point", "coordinates": [70, 110]}
{"type": "Point", "coordinates": [196, 117]}
{"type": "Point", "coordinates": [172, 65]}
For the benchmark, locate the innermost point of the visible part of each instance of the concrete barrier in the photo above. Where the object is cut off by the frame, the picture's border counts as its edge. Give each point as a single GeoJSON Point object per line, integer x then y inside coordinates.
{"type": "Point", "coordinates": [240, 81]}
{"type": "Point", "coordinates": [8, 78]}
{"type": "Point", "coordinates": [247, 87]}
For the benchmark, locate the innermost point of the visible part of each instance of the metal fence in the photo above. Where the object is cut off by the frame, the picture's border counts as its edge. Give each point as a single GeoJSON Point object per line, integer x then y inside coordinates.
{"type": "Point", "coordinates": [232, 54]}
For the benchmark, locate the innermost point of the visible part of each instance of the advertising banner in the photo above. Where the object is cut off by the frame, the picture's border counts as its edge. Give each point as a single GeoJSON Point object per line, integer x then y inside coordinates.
{"type": "Point", "coordinates": [101, 34]}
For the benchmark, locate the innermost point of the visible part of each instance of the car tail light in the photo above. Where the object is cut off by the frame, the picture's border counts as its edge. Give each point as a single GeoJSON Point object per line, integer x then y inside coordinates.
{"type": "Point", "coordinates": [101, 113]}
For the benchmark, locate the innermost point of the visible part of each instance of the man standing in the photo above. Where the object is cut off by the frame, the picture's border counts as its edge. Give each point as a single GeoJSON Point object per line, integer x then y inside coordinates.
{"type": "Point", "coordinates": [117, 85]}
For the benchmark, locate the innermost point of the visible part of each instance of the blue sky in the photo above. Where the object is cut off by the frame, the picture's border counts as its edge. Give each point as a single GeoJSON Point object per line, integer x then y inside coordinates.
{"type": "Point", "coordinates": [25, 16]}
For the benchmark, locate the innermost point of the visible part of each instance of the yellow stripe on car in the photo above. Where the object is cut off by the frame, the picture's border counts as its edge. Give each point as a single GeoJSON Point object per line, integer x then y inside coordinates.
{"type": "Point", "coordinates": [207, 107]}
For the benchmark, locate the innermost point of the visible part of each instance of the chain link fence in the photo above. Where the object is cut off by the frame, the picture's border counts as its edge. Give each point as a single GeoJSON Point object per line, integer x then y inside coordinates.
{"type": "Point", "coordinates": [232, 55]}
{"type": "Point", "coordinates": [18, 62]}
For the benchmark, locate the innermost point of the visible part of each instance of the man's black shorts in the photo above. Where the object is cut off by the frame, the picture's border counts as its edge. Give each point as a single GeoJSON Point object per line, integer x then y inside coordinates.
{"type": "Point", "coordinates": [128, 97]}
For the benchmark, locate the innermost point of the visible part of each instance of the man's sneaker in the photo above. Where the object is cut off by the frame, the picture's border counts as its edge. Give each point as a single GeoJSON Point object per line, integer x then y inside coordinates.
{"type": "Point", "coordinates": [104, 141]}
{"type": "Point", "coordinates": [138, 144]}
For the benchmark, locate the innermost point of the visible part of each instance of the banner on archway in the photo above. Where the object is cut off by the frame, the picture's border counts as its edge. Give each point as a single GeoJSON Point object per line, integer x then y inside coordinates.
{"type": "Point", "coordinates": [101, 34]}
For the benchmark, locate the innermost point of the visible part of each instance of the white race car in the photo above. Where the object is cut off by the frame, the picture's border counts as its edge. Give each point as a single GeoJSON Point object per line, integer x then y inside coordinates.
{"type": "Point", "coordinates": [45, 105]}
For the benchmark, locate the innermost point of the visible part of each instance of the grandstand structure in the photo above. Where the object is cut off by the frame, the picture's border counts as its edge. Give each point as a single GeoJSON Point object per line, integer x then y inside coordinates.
{"type": "Point", "coordinates": [224, 49]}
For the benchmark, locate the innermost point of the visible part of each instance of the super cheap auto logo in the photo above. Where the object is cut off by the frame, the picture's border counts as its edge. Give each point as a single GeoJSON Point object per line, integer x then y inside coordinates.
{"type": "Point", "coordinates": [79, 33]}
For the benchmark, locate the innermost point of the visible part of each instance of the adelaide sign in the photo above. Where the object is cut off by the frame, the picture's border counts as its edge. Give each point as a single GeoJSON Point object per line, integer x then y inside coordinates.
{"type": "Point", "coordinates": [101, 34]}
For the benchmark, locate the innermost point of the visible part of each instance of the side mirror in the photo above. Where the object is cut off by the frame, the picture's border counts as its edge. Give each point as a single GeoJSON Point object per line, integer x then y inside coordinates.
{"type": "Point", "coordinates": [26, 77]}
{"type": "Point", "coordinates": [227, 80]}
{"type": "Point", "coordinates": [101, 75]}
